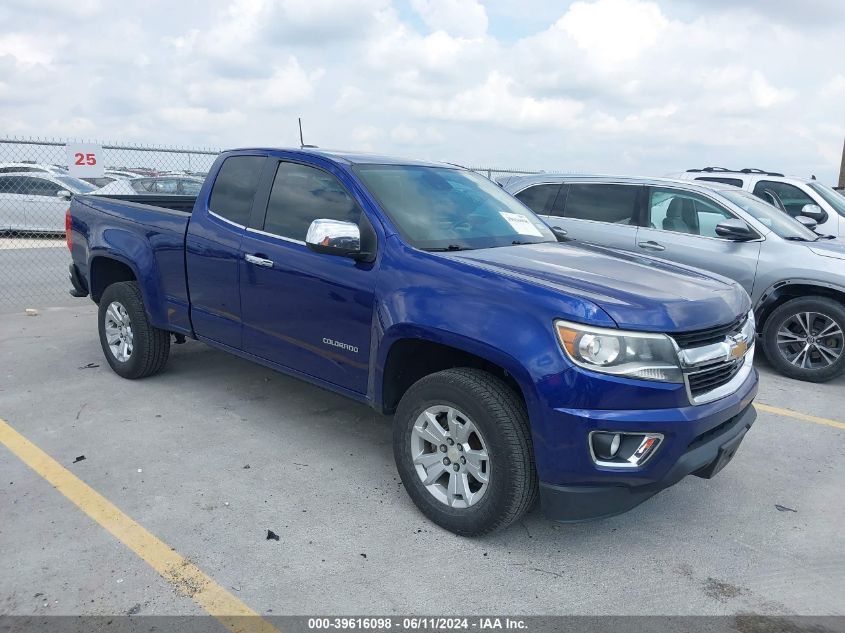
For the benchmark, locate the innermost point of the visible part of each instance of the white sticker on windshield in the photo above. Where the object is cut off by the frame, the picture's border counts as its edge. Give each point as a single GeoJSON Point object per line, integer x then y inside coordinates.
{"type": "Point", "coordinates": [520, 224]}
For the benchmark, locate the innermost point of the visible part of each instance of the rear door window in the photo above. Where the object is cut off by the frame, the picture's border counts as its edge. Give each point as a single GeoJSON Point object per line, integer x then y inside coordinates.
{"type": "Point", "coordinates": [302, 194]}
{"type": "Point", "coordinates": [190, 187]}
{"type": "Point", "coordinates": [38, 187]}
{"type": "Point", "coordinates": [11, 184]}
{"type": "Point", "coordinates": [235, 187]}
{"type": "Point", "coordinates": [539, 198]}
{"type": "Point", "coordinates": [169, 186]}
{"type": "Point", "coordinates": [615, 204]}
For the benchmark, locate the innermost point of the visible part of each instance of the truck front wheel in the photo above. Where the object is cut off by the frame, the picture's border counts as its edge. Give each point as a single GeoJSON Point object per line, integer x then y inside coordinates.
{"type": "Point", "coordinates": [463, 448]}
{"type": "Point", "coordinates": [133, 347]}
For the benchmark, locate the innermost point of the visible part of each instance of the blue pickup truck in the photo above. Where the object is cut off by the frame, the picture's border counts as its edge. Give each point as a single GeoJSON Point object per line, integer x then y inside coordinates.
{"type": "Point", "coordinates": [517, 363]}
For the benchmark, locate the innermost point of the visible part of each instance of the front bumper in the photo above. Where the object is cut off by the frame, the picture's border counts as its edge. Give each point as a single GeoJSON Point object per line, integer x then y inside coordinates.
{"type": "Point", "coordinates": [705, 457]}
{"type": "Point", "coordinates": [695, 437]}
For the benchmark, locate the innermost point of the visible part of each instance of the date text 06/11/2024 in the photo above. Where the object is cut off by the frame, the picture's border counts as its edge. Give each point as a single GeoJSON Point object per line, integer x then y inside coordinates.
{"type": "Point", "coordinates": [417, 623]}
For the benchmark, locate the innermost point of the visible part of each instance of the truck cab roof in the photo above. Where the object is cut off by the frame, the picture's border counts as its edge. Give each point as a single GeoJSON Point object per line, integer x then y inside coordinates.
{"type": "Point", "coordinates": [344, 156]}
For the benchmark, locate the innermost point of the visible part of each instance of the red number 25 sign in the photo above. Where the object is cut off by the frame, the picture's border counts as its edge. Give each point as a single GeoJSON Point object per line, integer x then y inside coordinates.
{"type": "Point", "coordinates": [84, 160]}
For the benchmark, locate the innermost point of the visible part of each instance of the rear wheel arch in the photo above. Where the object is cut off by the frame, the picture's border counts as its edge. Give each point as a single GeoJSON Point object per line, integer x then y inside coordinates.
{"type": "Point", "coordinates": [105, 270]}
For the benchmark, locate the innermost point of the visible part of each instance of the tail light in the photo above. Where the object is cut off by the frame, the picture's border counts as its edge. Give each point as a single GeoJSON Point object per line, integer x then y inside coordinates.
{"type": "Point", "coordinates": [68, 236]}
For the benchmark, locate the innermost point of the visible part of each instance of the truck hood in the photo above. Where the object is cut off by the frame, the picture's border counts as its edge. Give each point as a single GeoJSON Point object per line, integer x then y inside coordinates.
{"type": "Point", "coordinates": [640, 293]}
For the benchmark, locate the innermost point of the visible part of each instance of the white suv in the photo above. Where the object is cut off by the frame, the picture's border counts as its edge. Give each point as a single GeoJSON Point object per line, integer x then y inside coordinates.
{"type": "Point", "coordinates": [793, 193]}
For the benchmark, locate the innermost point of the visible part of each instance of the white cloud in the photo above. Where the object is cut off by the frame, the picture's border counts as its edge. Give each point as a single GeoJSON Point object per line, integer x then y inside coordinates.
{"type": "Point", "coordinates": [498, 100]}
{"type": "Point", "coordinates": [833, 88]}
{"type": "Point", "coordinates": [604, 85]}
{"type": "Point", "coordinates": [30, 48]}
{"type": "Point", "coordinates": [613, 31]}
{"type": "Point", "coordinates": [466, 18]}
{"type": "Point", "coordinates": [407, 135]}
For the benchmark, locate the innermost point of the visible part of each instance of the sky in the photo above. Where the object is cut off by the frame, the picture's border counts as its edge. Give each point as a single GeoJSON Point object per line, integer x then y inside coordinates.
{"type": "Point", "coordinates": [594, 86]}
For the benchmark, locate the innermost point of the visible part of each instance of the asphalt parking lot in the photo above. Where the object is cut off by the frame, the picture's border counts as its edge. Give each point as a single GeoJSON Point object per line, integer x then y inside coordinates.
{"type": "Point", "coordinates": [214, 452]}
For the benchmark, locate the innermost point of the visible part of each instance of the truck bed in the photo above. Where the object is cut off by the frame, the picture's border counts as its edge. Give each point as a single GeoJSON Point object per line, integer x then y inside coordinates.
{"type": "Point", "coordinates": [185, 204]}
{"type": "Point", "coordinates": [150, 228]}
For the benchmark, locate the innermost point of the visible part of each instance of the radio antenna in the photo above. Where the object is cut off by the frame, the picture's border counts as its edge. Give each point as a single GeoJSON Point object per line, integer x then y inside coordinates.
{"type": "Point", "coordinates": [302, 144]}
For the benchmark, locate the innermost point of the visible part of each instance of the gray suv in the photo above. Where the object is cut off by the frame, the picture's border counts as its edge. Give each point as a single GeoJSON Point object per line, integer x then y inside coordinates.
{"type": "Point", "coordinates": [796, 278]}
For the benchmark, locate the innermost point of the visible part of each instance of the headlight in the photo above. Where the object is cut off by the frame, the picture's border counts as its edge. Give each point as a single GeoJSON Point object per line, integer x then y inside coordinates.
{"type": "Point", "coordinates": [631, 354]}
{"type": "Point", "coordinates": [750, 328]}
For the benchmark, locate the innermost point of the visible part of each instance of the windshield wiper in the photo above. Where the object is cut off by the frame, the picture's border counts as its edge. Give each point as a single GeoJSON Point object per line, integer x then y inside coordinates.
{"type": "Point", "coordinates": [451, 247]}
{"type": "Point", "coordinates": [798, 238]}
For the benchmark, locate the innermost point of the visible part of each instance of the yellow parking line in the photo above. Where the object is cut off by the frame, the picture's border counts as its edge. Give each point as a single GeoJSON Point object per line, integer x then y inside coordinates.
{"type": "Point", "coordinates": [185, 577]}
{"type": "Point", "coordinates": [799, 416]}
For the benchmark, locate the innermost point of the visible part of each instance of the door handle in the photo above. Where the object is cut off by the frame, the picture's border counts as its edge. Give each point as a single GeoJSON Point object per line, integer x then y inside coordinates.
{"type": "Point", "coordinates": [259, 261]}
{"type": "Point", "coordinates": [651, 246]}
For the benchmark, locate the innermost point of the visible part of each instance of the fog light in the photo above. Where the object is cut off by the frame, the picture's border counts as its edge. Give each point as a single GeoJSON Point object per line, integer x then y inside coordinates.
{"type": "Point", "coordinates": [613, 449]}
{"type": "Point", "coordinates": [606, 445]}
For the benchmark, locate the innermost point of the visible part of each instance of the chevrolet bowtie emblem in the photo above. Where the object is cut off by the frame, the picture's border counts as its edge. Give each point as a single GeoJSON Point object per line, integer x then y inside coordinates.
{"type": "Point", "coordinates": [738, 348]}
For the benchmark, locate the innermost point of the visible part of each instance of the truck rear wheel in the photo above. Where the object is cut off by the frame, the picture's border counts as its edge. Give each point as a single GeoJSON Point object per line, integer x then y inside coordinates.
{"type": "Point", "coordinates": [132, 347]}
{"type": "Point", "coordinates": [803, 339]}
{"type": "Point", "coordinates": [463, 449]}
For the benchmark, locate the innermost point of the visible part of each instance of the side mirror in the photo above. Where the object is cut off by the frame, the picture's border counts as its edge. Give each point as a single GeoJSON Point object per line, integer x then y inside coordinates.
{"type": "Point", "coordinates": [560, 234]}
{"type": "Point", "coordinates": [64, 194]}
{"type": "Point", "coordinates": [735, 229]}
{"type": "Point", "coordinates": [809, 222]}
{"type": "Point", "coordinates": [334, 237]}
{"type": "Point", "coordinates": [814, 212]}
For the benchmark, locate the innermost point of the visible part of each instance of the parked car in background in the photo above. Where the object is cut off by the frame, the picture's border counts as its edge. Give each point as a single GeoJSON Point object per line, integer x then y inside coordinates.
{"type": "Point", "coordinates": [19, 168]}
{"type": "Point", "coordinates": [101, 181]}
{"type": "Point", "coordinates": [795, 277]}
{"type": "Point", "coordinates": [799, 196]}
{"type": "Point", "coordinates": [120, 174]}
{"type": "Point", "coordinates": [35, 202]}
{"type": "Point", "coordinates": [516, 365]}
{"type": "Point", "coordinates": [109, 176]}
{"type": "Point", "coordinates": [165, 185]}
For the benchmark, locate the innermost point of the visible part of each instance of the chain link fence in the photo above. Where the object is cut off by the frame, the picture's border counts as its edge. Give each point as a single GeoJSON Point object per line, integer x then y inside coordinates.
{"type": "Point", "coordinates": [34, 188]}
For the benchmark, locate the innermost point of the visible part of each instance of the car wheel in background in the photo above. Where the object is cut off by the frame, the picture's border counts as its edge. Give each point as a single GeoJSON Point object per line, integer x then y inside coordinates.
{"type": "Point", "coordinates": [803, 338]}
{"type": "Point", "coordinates": [132, 347]}
{"type": "Point", "coordinates": [463, 449]}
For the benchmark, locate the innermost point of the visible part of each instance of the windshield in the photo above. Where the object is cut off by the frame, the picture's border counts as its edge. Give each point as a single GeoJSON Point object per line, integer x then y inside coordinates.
{"type": "Point", "coordinates": [837, 201]}
{"type": "Point", "coordinates": [451, 209]}
{"type": "Point", "coordinates": [771, 217]}
{"type": "Point", "coordinates": [75, 185]}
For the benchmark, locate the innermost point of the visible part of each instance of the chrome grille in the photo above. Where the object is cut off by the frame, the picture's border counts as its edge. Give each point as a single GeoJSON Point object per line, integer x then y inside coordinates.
{"type": "Point", "coordinates": [698, 338]}
{"type": "Point", "coordinates": [700, 382]}
{"type": "Point", "coordinates": [711, 359]}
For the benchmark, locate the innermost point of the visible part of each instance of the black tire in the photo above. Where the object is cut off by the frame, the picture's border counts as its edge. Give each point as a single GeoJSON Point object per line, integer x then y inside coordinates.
{"type": "Point", "coordinates": [782, 314]}
{"type": "Point", "coordinates": [150, 345]}
{"type": "Point", "coordinates": [500, 416]}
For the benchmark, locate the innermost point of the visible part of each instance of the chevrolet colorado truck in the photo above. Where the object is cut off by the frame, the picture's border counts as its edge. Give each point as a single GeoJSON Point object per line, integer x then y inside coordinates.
{"type": "Point", "coordinates": [517, 363]}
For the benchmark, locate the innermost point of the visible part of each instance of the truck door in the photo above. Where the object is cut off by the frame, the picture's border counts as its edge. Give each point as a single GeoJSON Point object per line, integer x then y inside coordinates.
{"type": "Point", "coordinates": [212, 250]}
{"type": "Point", "coordinates": [307, 311]}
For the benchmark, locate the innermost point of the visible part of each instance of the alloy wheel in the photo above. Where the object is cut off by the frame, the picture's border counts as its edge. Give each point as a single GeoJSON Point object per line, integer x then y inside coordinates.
{"type": "Point", "coordinates": [118, 329]}
{"type": "Point", "coordinates": [810, 340]}
{"type": "Point", "coordinates": [450, 456]}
